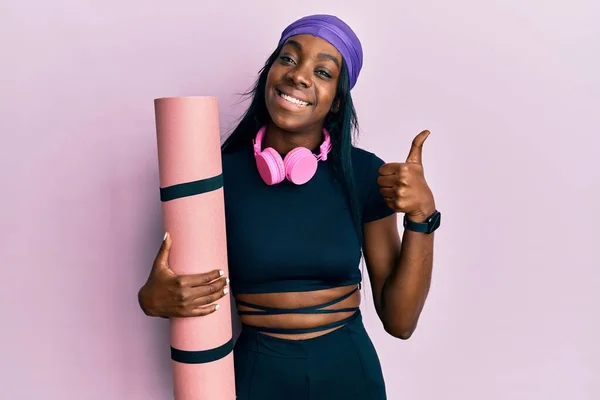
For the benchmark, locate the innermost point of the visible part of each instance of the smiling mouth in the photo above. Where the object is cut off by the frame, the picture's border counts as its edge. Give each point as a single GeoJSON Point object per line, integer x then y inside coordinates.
{"type": "Point", "coordinates": [292, 100]}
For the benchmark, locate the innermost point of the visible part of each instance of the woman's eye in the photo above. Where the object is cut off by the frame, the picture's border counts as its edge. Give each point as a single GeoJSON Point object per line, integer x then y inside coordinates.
{"type": "Point", "coordinates": [286, 59]}
{"type": "Point", "coordinates": [324, 73]}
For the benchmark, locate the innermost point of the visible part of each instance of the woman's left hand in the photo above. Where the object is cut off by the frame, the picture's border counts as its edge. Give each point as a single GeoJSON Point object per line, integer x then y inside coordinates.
{"type": "Point", "coordinates": [403, 185]}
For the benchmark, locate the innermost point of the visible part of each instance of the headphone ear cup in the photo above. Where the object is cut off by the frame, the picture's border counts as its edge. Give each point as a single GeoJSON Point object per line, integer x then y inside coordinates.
{"type": "Point", "coordinates": [270, 166]}
{"type": "Point", "coordinates": [300, 165]}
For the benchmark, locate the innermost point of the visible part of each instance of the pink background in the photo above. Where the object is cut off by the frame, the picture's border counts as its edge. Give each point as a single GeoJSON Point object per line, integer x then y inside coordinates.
{"type": "Point", "coordinates": [509, 91]}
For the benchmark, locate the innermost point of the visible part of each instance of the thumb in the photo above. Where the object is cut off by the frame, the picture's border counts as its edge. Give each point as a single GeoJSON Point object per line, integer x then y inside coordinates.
{"type": "Point", "coordinates": [162, 258]}
{"type": "Point", "coordinates": [415, 154]}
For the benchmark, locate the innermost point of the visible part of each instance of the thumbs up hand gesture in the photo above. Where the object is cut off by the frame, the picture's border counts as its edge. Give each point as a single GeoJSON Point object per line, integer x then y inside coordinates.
{"type": "Point", "coordinates": [403, 185]}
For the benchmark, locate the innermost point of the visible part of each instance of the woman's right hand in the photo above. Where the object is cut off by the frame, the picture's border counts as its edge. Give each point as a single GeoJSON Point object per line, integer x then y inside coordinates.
{"type": "Point", "coordinates": [168, 295]}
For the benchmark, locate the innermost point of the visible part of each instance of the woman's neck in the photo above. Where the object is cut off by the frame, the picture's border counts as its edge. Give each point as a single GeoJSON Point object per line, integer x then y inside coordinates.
{"type": "Point", "coordinates": [284, 141]}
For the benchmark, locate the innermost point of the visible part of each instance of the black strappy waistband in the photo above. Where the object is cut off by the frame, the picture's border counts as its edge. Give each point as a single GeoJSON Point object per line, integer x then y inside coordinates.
{"type": "Point", "coordinates": [318, 309]}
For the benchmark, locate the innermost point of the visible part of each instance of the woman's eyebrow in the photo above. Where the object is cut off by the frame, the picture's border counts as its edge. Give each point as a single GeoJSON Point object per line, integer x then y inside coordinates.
{"type": "Point", "coordinates": [320, 55]}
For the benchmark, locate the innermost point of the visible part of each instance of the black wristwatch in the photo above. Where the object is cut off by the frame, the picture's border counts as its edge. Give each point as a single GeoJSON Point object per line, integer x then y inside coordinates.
{"type": "Point", "coordinates": [428, 226]}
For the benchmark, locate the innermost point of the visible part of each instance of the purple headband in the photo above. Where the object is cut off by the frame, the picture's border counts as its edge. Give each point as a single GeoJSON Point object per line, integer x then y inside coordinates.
{"type": "Point", "coordinates": [337, 33]}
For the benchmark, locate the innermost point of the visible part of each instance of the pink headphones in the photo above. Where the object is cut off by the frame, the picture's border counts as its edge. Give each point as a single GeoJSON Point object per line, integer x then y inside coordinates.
{"type": "Point", "coordinates": [298, 166]}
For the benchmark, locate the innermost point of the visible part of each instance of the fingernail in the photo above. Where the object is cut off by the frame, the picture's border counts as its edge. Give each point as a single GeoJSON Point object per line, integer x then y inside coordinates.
{"type": "Point", "coordinates": [221, 272]}
{"type": "Point", "coordinates": [226, 290]}
{"type": "Point", "coordinates": [227, 281]}
{"type": "Point", "coordinates": [165, 237]}
{"type": "Point", "coordinates": [216, 306]}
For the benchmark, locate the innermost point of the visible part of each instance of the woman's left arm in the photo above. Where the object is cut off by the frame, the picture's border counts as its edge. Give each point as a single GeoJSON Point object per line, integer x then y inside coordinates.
{"type": "Point", "coordinates": [400, 270]}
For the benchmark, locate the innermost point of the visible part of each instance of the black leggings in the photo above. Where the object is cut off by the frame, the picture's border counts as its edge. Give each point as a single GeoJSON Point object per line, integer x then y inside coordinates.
{"type": "Point", "coordinates": [342, 364]}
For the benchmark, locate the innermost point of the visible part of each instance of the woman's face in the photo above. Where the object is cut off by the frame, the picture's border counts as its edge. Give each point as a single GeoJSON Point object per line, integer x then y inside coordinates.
{"type": "Point", "coordinates": [301, 84]}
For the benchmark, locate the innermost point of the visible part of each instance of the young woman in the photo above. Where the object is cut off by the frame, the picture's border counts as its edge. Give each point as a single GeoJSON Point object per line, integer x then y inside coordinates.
{"type": "Point", "coordinates": [302, 205]}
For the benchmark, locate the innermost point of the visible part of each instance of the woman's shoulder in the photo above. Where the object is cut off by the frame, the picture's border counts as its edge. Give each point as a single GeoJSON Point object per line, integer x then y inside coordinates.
{"type": "Point", "coordinates": [236, 157]}
{"type": "Point", "coordinates": [362, 155]}
{"type": "Point", "coordinates": [365, 162]}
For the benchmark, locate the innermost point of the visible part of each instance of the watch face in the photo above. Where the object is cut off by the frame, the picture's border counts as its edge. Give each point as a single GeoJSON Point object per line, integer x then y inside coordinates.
{"type": "Point", "coordinates": [434, 221]}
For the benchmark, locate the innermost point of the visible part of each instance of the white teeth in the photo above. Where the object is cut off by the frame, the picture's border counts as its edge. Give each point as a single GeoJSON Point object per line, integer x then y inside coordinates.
{"type": "Point", "coordinates": [293, 100]}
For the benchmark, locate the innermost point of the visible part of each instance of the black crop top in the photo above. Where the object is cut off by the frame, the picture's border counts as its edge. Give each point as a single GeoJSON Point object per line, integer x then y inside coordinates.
{"type": "Point", "coordinates": [290, 238]}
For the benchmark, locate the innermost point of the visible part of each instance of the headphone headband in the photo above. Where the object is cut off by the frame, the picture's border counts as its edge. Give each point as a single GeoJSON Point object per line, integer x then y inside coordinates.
{"type": "Point", "coordinates": [324, 148]}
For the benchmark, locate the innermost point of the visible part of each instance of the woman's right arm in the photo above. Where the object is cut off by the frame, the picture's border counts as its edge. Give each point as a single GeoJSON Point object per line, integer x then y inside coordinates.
{"type": "Point", "coordinates": [168, 295]}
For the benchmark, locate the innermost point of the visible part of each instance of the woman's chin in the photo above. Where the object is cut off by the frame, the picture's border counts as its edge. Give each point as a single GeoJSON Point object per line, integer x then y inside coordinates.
{"type": "Point", "coordinates": [288, 121]}
{"type": "Point", "coordinates": [288, 124]}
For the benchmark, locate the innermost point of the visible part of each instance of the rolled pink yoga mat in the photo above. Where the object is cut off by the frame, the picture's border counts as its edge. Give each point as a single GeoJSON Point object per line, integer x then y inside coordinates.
{"type": "Point", "coordinates": [191, 190]}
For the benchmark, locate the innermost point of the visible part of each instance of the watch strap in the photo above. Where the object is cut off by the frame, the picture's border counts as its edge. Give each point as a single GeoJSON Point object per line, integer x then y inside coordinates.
{"type": "Point", "coordinates": [428, 226]}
